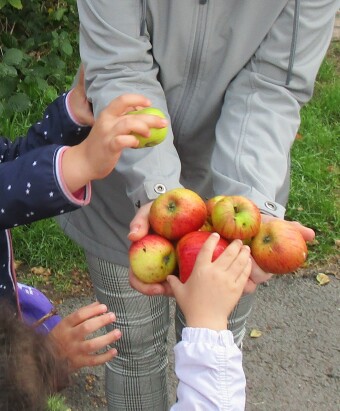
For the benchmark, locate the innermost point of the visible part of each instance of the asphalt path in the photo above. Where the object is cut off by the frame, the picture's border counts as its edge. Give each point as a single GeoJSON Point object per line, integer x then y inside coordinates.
{"type": "Point", "coordinates": [294, 365]}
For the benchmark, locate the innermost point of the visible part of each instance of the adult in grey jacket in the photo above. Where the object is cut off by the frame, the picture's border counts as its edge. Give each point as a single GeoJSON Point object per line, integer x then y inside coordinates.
{"type": "Point", "coordinates": [232, 77]}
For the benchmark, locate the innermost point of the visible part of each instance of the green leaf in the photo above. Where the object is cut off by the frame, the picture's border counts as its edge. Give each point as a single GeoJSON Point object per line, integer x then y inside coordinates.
{"type": "Point", "coordinates": [13, 57]}
{"type": "Point", "coordinates": [3, 3]}
{"type": "Point", "coordinates": [41, 84]}
{"type": "Point", "coordinates": [8, 40]}
{"type": "Point", "coordinates": [18, 103]}
{"type": "Point", "coordinates": [2, 108]}
{"type": "Point", "coordinates": [58, 15]}
{"type": "Point", "coordinates": [8, 87]}
{"type": "Point", "coordinates": [16, 4]}
{"type": "Point", "coordinates": [51, 93]}
{"type": "Point", "coordinates": [67, 48]}
{"type": "Point", "coordinates": [7, 71]}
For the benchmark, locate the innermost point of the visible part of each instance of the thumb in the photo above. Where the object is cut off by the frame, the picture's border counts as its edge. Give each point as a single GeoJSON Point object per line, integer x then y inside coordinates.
{"type": "Point", "coordinates": [176, 285]}
{"type": "Point", "coordinates": [139, 226]}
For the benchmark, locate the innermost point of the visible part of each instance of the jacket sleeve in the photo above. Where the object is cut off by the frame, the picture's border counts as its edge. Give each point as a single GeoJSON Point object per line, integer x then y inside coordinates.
{"type": "Point", "coordinates": [56, 127]}
{"type": "Point", "coordinates": [32, 188]}
{"type": "Point", "coordinates": [31, 180]}
{"type": "Point", "coordinates": [118, 60]}
{"type": "Point", "coordinates": [260, 116]}
{"type": "Point", "coordinates": [208, 365]}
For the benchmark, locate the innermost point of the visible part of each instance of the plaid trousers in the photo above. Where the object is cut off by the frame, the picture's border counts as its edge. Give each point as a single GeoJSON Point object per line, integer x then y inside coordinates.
{"type": "Point", "coordinates": [136, 380]}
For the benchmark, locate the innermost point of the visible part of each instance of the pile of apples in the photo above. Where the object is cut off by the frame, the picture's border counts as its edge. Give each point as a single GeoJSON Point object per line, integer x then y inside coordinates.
{"type": "Point", "coordinates": [181, 221]}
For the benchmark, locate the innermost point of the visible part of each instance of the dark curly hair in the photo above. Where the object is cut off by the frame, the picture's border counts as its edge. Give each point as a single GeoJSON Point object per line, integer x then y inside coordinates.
{"type": "Point", "coordinates": [31, 367]}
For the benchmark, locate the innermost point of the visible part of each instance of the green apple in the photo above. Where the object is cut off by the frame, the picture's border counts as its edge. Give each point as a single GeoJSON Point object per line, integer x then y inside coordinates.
{"type": "Point", "coordinates": [157, 135]}
{"type": "Point", "coordinates": [152, 258]}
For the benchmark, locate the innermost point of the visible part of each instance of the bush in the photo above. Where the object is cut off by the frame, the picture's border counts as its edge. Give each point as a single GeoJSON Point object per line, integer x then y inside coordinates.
{"type": "Point", "coordinates": [35, 37]}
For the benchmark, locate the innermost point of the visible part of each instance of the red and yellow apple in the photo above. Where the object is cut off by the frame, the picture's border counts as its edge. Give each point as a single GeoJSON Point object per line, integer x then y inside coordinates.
{"type": "Point", "coordinates": [210, 204]}
{"type": "Point", "coordinates": [207, 226]}
{"type": "Point", "coordinates": [236, 217]}
{"type": "Point", "coordinates": [152, 258]}
{"type": "Point", "coordinates": [278, 247]}
{"type": "Point", "coordinates": [157, 135]}
{"type": "Point", "coordinates": [177, 212]}
{"type": "Point", "coordinates": [189, 246]}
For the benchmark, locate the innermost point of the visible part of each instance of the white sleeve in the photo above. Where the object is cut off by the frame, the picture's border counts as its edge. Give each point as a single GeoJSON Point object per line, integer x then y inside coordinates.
{"type": "Point", "coordinates": [208, 365]}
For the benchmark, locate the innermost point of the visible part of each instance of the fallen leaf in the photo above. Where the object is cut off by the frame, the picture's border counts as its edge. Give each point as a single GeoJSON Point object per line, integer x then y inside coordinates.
{"type": "Point", "coordinates": [255, 333]}
{"type": "Point", "coordinates": [40, 271]}
{"type": "Point", "coordinates": [322, 279]}
{"type": "Point", "coordinates": [17, 264]}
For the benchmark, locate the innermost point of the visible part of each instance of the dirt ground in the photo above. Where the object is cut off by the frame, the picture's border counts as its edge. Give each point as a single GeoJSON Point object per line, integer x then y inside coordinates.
{"type": "Point", "coordinates": [294, 365]}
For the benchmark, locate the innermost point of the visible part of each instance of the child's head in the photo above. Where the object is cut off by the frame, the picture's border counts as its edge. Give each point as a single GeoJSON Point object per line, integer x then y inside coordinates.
{"type": "Point", "coordinates": [30, 365]}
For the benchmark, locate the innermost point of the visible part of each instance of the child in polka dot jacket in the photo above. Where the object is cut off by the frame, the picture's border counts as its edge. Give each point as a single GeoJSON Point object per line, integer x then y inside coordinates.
{"type": "Point", "coordinates": [49, 172]}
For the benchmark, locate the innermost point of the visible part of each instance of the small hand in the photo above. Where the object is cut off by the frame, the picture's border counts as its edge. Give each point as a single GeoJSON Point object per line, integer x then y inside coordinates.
{"type": "Point", "coordinates": [213, 288]}
{"type": "Point", "coordinates": [72, 335]}
{"type": "Point", "coordinates": [80, 107]}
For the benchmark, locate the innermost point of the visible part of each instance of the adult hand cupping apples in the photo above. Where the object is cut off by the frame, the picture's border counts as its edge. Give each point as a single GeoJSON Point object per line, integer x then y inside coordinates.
{"type": "Point", "coordinates": [139, 228]}
{"type": "Point", "coordinates": [182, 219]}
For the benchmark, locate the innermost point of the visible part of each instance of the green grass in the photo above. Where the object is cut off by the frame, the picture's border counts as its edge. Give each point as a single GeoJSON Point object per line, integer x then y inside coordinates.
{"type": "Point", "coordinates": [314, 198]}
{"type": "Point", "coordinates": [57, 403]}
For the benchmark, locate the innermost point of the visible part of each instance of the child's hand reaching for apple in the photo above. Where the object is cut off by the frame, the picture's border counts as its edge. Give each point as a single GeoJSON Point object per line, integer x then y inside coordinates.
{"type": "Point", "coordinates": [213, 288]}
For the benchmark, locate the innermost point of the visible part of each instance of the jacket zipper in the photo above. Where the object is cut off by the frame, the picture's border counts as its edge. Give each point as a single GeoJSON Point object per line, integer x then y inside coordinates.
{"type": "Point", "coordinates": [193, 69]}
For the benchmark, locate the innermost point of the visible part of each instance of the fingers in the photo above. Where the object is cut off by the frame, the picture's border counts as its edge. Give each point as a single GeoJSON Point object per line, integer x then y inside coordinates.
{"type": "Point", "coordinates": [240, 261]}
{"type": "Point", "coordinates": [231, 253]}
{"type": "Point", "coordinates": [139, 226]}
{"type": "Point", "coordinates": [85, 313]}
{"type": "Point", "coordinates": [138, 124]}
{"type": "Point", "coordinates": [258, 276]}
{"type": "Point", "coordinates": [94, 324]}
{"type": "Point", "coordinates": [95, 344]}
{"type": "Point", "coordinates": [149, 289]}
{"type": "Point", "coordinates": [98, 359]}
{"type": "Point", "coordinates": [307, 233]}
{"type": "Point", "coordinates": [122, 104]}
{"type": "Point", "coordinates": [123, 141]}
{"type": "Point", "coordinates": [250, 287]}
{"type": "Point", "coordinates": [243, 277]}
{"type": "Point", "coordinates": [176, 287]}
{"type": "Point", "coordinates": [81, 75]}
{"type": "Point", "coordinates": [87, 351]}
{"type": "Point", "coordinates": [207, 250]}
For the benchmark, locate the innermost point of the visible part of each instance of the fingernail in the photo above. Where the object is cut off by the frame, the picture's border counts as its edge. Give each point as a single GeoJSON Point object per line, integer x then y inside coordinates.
{"type": "Point", "coordinates": [134, 229]}
{"type": "Point", "coordinates": [112, 317]}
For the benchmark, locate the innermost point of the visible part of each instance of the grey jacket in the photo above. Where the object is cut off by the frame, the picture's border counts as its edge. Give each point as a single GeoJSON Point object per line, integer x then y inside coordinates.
{"type": "Point", "coordinates": [232, 76]}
